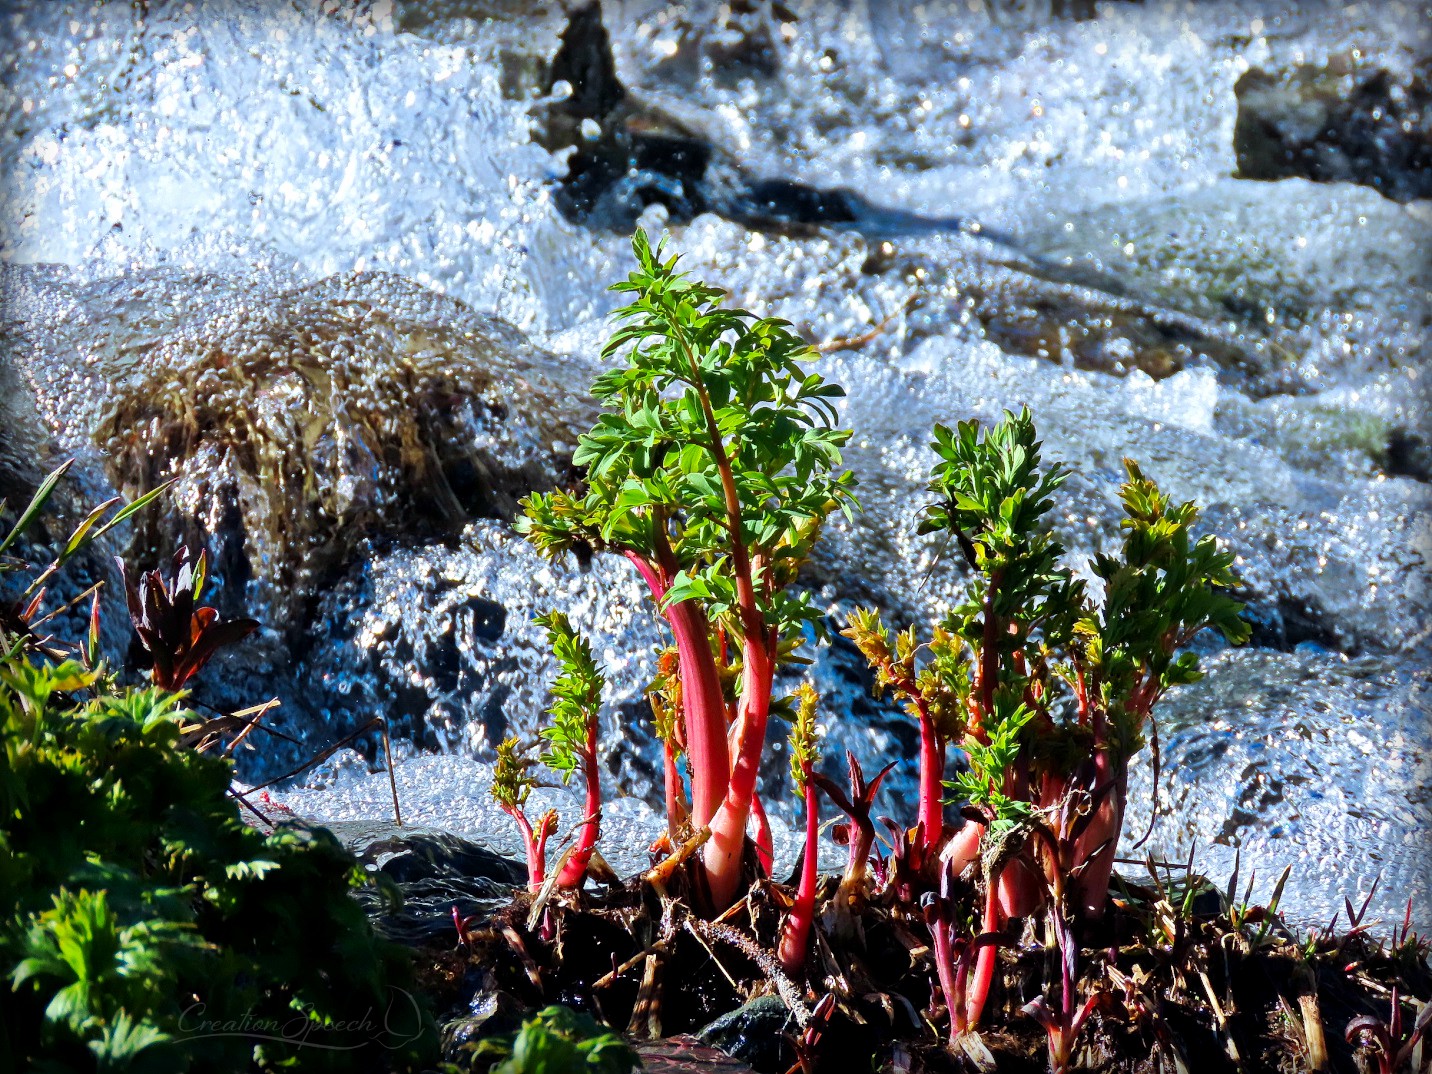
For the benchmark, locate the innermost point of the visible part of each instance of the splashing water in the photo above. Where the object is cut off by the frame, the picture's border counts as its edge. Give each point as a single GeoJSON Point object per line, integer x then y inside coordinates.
{"type": "Point", "coordinates": [365, 184]}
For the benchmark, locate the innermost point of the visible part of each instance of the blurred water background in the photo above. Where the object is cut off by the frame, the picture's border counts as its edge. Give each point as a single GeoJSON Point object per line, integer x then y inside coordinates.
{"type": "Point", "coordinates": [341, 268]}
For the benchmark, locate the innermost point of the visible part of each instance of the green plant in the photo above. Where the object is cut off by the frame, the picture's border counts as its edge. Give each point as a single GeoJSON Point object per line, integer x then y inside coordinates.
{"type": "Point", "coordinates": [139, 915]}
{"type": "Point", "coordinates": [556, 1040]}
{"type": "Point", "coordinates": [1048, 693]}
{"type": "Point", "coordinates": [805, 755]}
{"type": "Point", "coordinates": [711, 469]}
{"type": "Point", "coordinates": [142, 924]}
{"type": "Point", "coordinates": [572, 733]}
{"type": "Point", "coordinates": [512, 782]}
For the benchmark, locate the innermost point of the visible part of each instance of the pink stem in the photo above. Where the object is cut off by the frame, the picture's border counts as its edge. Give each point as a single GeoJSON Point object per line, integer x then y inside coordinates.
{"type": "Point", "coordinates": [932, 774]}
{"type": "Point", "coordinates": [945, 968]}
{"type": "Point", "coordinates": [1021, 889]}
{"type": "Point", "coordinates": [575, 871]}
{"type": "Point", "coordinates": [1098, 843]}
{"type": "Point", "coordinates": [708, 755]}
{"type": "Point", "coordinates": [984, 968]}
{"type": "Point", "coordinates": [765, 845]}
{"type": "Point", "coordinates": [545, 826]}
{"type": "Point", "coordinates": [722, 853]}
{"type": "Point", "coordinates": [536, 850]}
{"type": "Point", "coordinates": [964, 846]}
{"type": "Point", "coordinates": [649, 575]}
{"type": "Point", "coordinates": [795, 937]}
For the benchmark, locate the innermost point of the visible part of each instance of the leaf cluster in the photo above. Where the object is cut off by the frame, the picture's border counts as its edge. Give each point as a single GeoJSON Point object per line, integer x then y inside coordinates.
{"type": "Point", "coordinates": [1163, 588]}
{"type": "Point", "coordinates": [556, 1040]}
{"type": "Point", "coordinates": [512, 779]}
{"type": "Point", "coordinates": [936, 687]}
{"type": "Point", "coordinates": [576, 697]}
{"type": "Point", "coordinates": [701, 393]}
{"type": "Point", "coordinates": [178, 634]}
{"type": "Point", "coordinates": [1027, 668]}
{"type": "Point", "coordinates": [993, 496]}
{"type": "Point", "coordinates": [135, 903]}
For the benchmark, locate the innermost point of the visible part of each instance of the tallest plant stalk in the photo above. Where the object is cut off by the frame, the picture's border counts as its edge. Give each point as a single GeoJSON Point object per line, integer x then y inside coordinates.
{"type": "Point", "coordinates": [711, 469]}
{"type": "Point", "coordinates": [722, 854]}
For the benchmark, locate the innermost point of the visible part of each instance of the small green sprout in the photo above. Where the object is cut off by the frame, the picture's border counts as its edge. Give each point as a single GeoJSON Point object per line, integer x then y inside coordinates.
{"type": "Point", "coordinates": [804, 738]}
{"type": "Point", "coordinates": [576, 697]}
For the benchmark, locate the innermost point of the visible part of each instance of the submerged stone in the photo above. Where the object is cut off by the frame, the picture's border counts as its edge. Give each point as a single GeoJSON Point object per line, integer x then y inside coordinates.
{"type": "Point", "coordinates": [436, 872]}
{"type": "Point", "coordinates": [298, 421]}
{"type": "Point", "coordinates": [754, 1033]}
{"type": "Point", "coordinates": [1338, 122]}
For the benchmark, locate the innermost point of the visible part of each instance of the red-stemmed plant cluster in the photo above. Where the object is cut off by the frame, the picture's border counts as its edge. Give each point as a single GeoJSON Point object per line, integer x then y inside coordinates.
{"type": "Point", "coordinates": [712, 468]}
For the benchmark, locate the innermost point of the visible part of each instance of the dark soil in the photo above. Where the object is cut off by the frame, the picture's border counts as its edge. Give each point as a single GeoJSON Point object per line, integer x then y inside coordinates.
{"type": "Point", "coordinates": [1189, 982]}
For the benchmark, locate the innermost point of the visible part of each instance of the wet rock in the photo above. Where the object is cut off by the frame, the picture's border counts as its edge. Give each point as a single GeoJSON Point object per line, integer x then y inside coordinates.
{"type": "Point", "coordinates": [628, 149]}
{"type": "Point", "coordinates": [727, 42]}
{"type": "Point", "coordinates": [1296, 275]}
{"type": "Point", "coordinates": [1408, 454]}
{"type": "Point", "coordinates": [1095, 330]}
{"type": "Point", "coordinates": [28, 453]}
{"type": "Point", "coordinates": [754, 1033]}
{"type": "Point", "coordinates": [25, 447]}
{"type": "Point", "coordinates": [686, 1055]}
{"type": "Point", "coordinates": [434, 871]}
{"type": "Point", "coordinates": [1338, 122]}
{"type": "Point", "coordinates": [584, 62]}
{"type": "Point", "coordinates": [491, 1011]}
{"type": "Point", "coordinates": [299, 421]}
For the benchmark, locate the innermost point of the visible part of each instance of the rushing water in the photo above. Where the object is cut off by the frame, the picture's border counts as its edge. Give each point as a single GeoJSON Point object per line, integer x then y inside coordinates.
{"type": "Point", "coordinates": [314, 259]}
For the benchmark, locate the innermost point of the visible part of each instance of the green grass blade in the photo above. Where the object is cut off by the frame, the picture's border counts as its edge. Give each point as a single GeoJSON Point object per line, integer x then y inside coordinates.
{"type": "Point", "coordinates": [37, 503]}
{"type": "Point", "coordinates": [138, 505]}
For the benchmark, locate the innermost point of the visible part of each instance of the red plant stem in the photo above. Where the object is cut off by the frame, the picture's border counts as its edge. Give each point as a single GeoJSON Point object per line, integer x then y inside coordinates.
{"type": "Point", "coordinates": [765, 845]}
{"type": "Point", "coordinates": [707, 752]}
{"type": "Point", "coordinates": [1021, 886]}
{"type": "Point", "coordinates": [989, 656]}
{"type": "Point", "coordinates": [964, 846]}
{"type": "Point", "coordinates": [722, 853]}
{"type": "Point", "coordinates": [984, 967]}
{"type": "Point", "coordinates": [676, 811]}
{"type": "Point", "coordinates": [945, 969]}
{"type": "Point", "coordinates": [649, 574]}
{"type": "Point", "coordinates": [795, 937]}
{"type": "Point", "coordinates": [1098, 844]}
{"type": "Point", "coordinates": [536, 849]}
{"type": "Point", "coordinates": [1021, 889]}
{"type": "Point", "coordinates": [932, 774]}
{"type": "Point", "coordinates": [575, 871]}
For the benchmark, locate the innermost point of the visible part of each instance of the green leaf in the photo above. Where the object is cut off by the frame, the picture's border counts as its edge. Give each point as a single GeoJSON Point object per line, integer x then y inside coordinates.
{"type": "Point", "coordinates": [36, 505]}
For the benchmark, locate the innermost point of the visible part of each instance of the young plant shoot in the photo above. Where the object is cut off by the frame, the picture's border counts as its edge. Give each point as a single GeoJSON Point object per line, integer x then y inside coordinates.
{"type": "Point", "coordinates": [1048, 694]}
{"type": "Point", "coordinates": [711, 470]}
{"type": "Point", "coordinates": [805, 755]}
{"type": "Point", "coordinates": [512, 782]}
{"type": "Point", "coordinates": [571, 739]}
{"type": "Point", "coordinates": [572, 735]}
